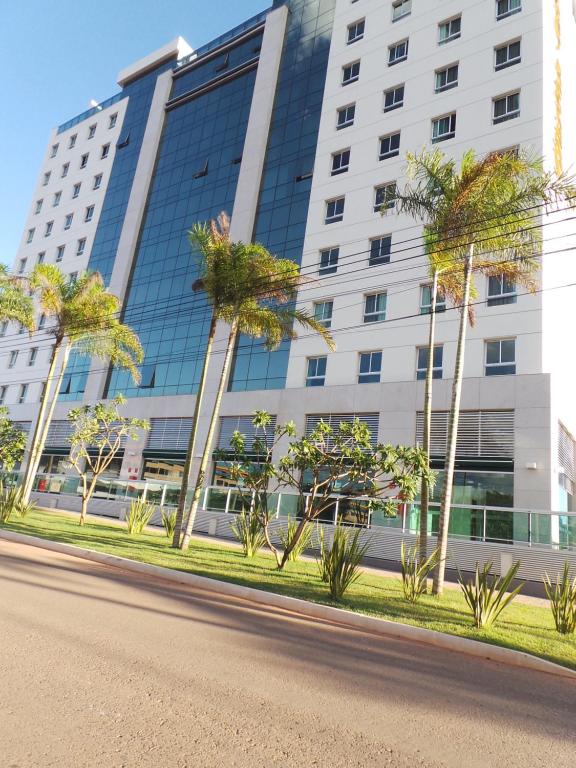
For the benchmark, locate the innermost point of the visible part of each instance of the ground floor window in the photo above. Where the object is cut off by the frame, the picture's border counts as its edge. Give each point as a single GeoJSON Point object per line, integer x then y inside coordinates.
{"type": "Point", "coordinates": [163, 470]}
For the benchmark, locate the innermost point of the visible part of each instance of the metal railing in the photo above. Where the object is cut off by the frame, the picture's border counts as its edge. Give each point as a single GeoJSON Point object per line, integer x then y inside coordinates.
{"type": "Point", "coordinates": [89, 112]}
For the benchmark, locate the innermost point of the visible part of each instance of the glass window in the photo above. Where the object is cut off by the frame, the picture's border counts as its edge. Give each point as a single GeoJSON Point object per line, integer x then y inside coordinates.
{"type": "Point", "coordinates": [329, 261]}
{"type": "Point", "coordinates": [32, 355]}
{"type": "Point", "coordinates": [30, 235]}
{"type": "Point", "coordinates": [104, 151]}
{"type": "Point", "coordinates": [384, 197]}
{"type": "Point", "coordinates": [92, 131]}
{"type": "Point", "coordinates": [501, 290]}
{"type": "Point", "coordinates": [355, 31]}
{"type": "Point", "coordinates": [350, 73]}
{"type": "Point", "coordinates": [41, 321]}
{"type": "Point", "coordinates": [345, 116]}
{"type": "Point", "coordinates": [72, 141]}
{"type": "Point", "coordinates": [340, 162]}
{"type": "Point", "coordinates": [334, 210]}
{"type": "Point", "coordinates": [89, 213]}
{"type": "Point", "coordinates": [422, 362]}
{"type": "Point", "coordinates": [374, 308]}
{"type": "Point", "coordinates": [3, 327]}
{"type": "Point", "coordinates": [3, 391]}
{"type": "Point", "coordinates": [56, 199]}
{"type": "Point", "coordinates": [38, 207]}
{"type": "Point", "coordinates": [506, 8]}
{"type": "Point", "coordinates": [500, 357]}
{"type": "Point", "coordinates": [68, 220]}
{"type": "Point", "coordinates": [323, 312]}
{"type": "Point", "coordinates": [46, 178]}
{"type": "Point", "coordinates": [400, 9]}
{"type": "Point", "coordinates": [40, 258]}
{"type": "Point", "coordinates": [506, 107]}
{"type": "Point", "coordinates": [380, 250]}
{"type": "Point", "coordinates": [84, 160]}
{"type": "Point", "coordinates": [48, 228]}
{"type": "Point", "coordinates": [444, 128]}
{"type": "Point", "coordinates": [449, 30]}
{"type": "Point", "coordinates": [316, 371]}
{"type": "Point", "coordinates": [397, 52]}
{"type": "Point", "coordinates": [81, 246]}
{"type": "Point", "coordinates": [370, 367]}
{"type": "Point", "coordinates": [73, 276]}
{"type": "Point", "coordinates": [389, 146]}
{"type": "Point", "coordinates": [426, 300]}
{"type": "Point", "coordinates": [65, 168]}
{"type": "Point", "coordinates": [13, 358]}
{"type": "Point", "coordinates": [112, 120]}
{"type": "Point", "coordinates": [22, 266]}
{"type": "Point", "coordinates": [507, 55]}
{"type": "Point", "coordinates": [394, 98]}
{"type": "Point", "coordinates": [76, 190]}
{"type": "Point", "coordinates": [97, 181]}
{"type": "Point", "coordinates": [54, 150]}
{"type": "Point", "coordinates": [60, 252]}
{"type": "Point", "coordinates": [446, 78]}
{"type": "Point", "coordinates": [23, 392]}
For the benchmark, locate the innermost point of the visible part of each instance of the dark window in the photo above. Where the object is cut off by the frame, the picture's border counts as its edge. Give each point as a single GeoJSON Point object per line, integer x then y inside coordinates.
{"type": "Point", "coordinates": [380, 250]}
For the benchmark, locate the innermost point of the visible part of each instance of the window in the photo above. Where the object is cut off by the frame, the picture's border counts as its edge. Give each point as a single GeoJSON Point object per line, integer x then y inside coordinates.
{"type": "Point", "coordinates": [3, 391]}
{"type": "Point", "coordinates": [223, 64]}
{"type": "Point", "coordinates": [84, 160]}
{"type": "Point", "coordinates": [41, 322]}
{"type": "Point", "coordinates": [370, 367]}
{"type": "Point", "coordinates": [323, 312]}
{"type": "Point", "coordinates": [3, 328]}
{"type": "Point", "coordinates": [65, 169]}
{"type": "Point", "coordinates": [316, 371]}
{"type": "Point", "coordinates": [148, 377]}
{"type": "Point", "coordinates": [54, 150]}
{"type": "Point", "coordinates": [60, 252]}
{"type": "Point", "coordinates": [506, 8]}
{"type": "Point", "coordinates": [507, 55]}
{"type": "Point", "coordinates": [89, 215]}
{"type": "Point", "coordinates": [355, 31]}
{"type": "Point", "coordinates": [380, 250]}
{"type": "Point", "coordinates": [374, 308]}
{"type": "Point", "coordinates": [81, 246]}
{"type": "Point", "coordinates": [32, 355]}
{"type": "Point", "coordinates": [68, 220]}
{"type": "Point", "coordinates": [389, 146]}
{"type": "Point", "coordinates": [40, 258]}
{"type": "Point", "coordinates": [384, 197]}
{"type": "Point", "coordinates": [22, 266]}
{"type": "Point", "coordinates": [56, 199]}
{"type": "Point", "coordinates": [506, 107]}
{"type": "Point", "coordinates": [350, 73]}
{"type": "Point", "coordinates": [30, 235]}
{"type": "Point", "coordinates": [501, 290]}
{"type": "Point", "coordinates": [394, 98]}
{"type": "Point", "coordinates": [422, 362]}
{"type": "Point", "coordinates": [92, 131]}
{"type": "Point", "coordinates": [13, 358]}
{"type": "Point", "coordinates": [23, 392]}
{"type": "Point", "coordinates": [444, 128]}
{"type": "Point", "coordinates": [124, 140]}
{"type": "Point", "coordinates": [334, 210]}
{"type": "Point", "coordinates": [112, 120]}
{"type": "Point", "coordinates": [46, 178]}
{"type": "Point", "coordinates": [38, 206]}
{"type": "Point", "coordinates": [446, 78]}
{"type": "Point", "coordinates": [329, 261]}
{"type": "Point", "coordinates": [400, 9]}
{"type": "Point", "coordinates": [76, 190]}
{"type": "Point", "coordinates": [340, 162]}
{"type": "Point", "coordinates": [448, 30]}
{"type": "Point", "coordinates": [397, 52]}
{"type": "Point", "coordinates": [72, 141]}
{"type": "Point", "coordinates": [104, 152]}
{"type": "Point", "coordinates": [426, 300]}
{"type": "Point", "coordinates": [21, 328]}
{"type": "Point", "coordinates": [345, 116]}
{"type": "Point", "coordinates": [48, 229]}
{"type": "Point", "coordinates": [97, 181]}
{"type": "Point", "coordinates": [500, 357]}
{"type": "Point", "coordinates": [73, 276]}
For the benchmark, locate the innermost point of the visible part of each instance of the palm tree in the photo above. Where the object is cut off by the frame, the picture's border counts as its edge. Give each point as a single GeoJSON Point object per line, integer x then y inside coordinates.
{"type": "Point", "coordinates": [249, 289]}
{"type": "Point", "coordinates": [84, 318]}
{"type": "Point", "coordinates": [15, 304]}
{"type": "Point", "coordinates": [480, 216]}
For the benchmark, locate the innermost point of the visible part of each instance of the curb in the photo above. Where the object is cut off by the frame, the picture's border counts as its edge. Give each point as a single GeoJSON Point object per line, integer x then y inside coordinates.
{"type": "Point", "coordinates": [373, 625]}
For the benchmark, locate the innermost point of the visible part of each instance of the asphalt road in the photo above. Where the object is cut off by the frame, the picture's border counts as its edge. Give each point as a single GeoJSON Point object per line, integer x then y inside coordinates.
{"type": "Point", "coordinates": [102, 668]}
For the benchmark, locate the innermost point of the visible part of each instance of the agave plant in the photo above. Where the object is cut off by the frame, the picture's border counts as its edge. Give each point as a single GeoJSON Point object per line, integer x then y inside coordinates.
{"type": "Point", "coordinates": [12, 503]}
{"type": "Point", "coordinates": [415, 572]}
{"type": "Point", "coordinates": [139, 515]}
{"type": "Point", "coordinates": [562, 596]}
{"type": "Point", "coordinates": [248, 531]}
{"type": "Point", "coordinates": [339, 564]}
{"type": "Point", "coordinates": [287, 534]}
{"type": "Point", "coordinates": [488, 595]}
{"type": "Point", "coordinates": [169, 522]}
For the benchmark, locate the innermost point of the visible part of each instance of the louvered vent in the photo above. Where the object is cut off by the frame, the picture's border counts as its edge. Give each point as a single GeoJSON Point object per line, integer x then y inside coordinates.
{"type": "Point", "coordinates": [480, 434]}
{"type": "Point", "coordinates": [243, 424]}
{"type": "Point", "coordinates": [58, 432]}
{"type": "Point", "coordinates": [335, 419]}
{"type": "Point", "coordinates": [169, 434]}
{"type": "Point", "coordinates": [566, 457]}
{"type": "Point", "coordinates": [24, 426]}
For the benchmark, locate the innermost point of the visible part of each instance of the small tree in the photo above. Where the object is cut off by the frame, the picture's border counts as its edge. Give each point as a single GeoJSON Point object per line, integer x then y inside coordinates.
{"type": "Point", "coordinates": [12, 442]}
{"type": "Point", "coordinates": [315, 464]}
{"type": "Point", "coordinates": [98, 432]}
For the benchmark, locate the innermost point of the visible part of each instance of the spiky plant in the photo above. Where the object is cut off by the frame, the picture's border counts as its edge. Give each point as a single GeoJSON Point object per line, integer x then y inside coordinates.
{"type": "Point", "coordinates": [487, 595]}
{"type": "Point", "coordinates": [562, 596]}
{"type": "Point", "coordinates": [248, 532]}
{"type": "Point", "coordinates": [339, 563]}
{"type": "Point", "coordinates": [139, 515]}
{"type": "Point", "coordinates": [415, 572]}
{"type": "Point", "coordinates": [287, 535]}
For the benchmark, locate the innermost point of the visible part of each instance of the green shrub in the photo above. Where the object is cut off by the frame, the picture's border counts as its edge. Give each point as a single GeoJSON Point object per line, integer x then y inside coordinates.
{"type": "Point", "coordinates": [287, 534]}
{"type": "Point", "coordinates": [339, 564]}
{"type": "Point", "coordinates": [562, 596]}
{"type": "Point", "coordinates": [169, 522]}
{"type": "Point", "coordinates": [248, 531]}
{"type": "Point", "coordinates": [414, 573]}
{"type": "Point", "coordinates": [139, 516]}
{"type": "Point", "coordinates": [11, 503]}
{"type": "Point", "coordinates": [487, 595]}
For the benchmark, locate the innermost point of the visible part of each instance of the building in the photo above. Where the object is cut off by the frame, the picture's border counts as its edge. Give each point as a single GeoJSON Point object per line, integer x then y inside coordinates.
{"type": "Point", "coordinates": [297, 123]}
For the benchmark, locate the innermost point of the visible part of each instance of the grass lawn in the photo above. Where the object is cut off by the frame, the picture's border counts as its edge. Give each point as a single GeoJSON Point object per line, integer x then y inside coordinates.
{"type": "Point", "coordinates": [521, 627]}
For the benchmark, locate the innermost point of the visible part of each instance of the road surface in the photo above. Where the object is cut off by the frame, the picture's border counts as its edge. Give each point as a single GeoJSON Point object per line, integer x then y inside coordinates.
{"type": "Point", "coordinates": [102, 668]}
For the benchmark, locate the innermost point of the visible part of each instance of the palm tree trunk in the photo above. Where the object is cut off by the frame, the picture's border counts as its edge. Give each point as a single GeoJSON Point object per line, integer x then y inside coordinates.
{"type": "Point", "coordinates": [187, 474]}
{"type": "Point", "coordinates": [425, 488]}
{"type": "Point", "coordinates": [35, 454]}
{"type": "Point", "coordinates": [444, 523]}
{"type": "Point", "coordinates": [210, 437]}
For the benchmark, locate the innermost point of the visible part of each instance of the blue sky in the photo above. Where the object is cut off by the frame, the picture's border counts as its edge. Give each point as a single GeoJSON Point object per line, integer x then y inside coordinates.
{"type": "Point", "coordinates": [56, 55]}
